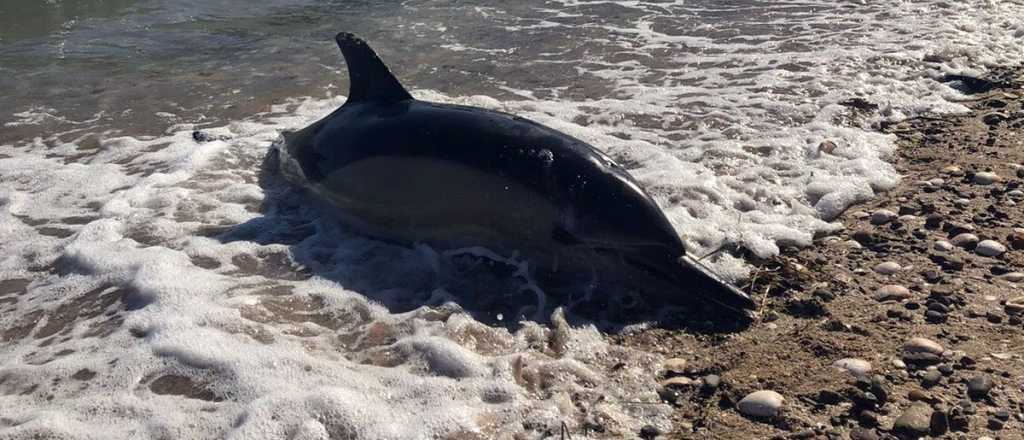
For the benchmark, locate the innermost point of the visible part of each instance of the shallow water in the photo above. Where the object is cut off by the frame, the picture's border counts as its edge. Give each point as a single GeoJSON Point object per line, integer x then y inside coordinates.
{"type": "Point", "coordinates": [160, 286]}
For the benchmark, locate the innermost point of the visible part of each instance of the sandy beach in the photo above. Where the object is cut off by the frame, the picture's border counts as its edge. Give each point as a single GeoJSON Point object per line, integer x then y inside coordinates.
{"type": "Point", "coordinates": [906, 324]}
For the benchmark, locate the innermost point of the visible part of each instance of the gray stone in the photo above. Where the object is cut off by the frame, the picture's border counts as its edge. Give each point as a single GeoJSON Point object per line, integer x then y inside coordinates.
{"type": "Point", "coordinates": [763, 403]}
{"type": "Point", "coordinates": [965, 240]}
{"type": "Point", "coordinates": [856, 367]}
{"type": "Point", "coordinates": [915, 421]}
{"type": "Point", "coordinates": [979, 386]}
{"type": "Point", "coordinates": [990, 248]}
{"type": "Point", "coordinates": [986, 178]}
{"type": "Point", "coordinates": [882, 216]}
{"type": "Point", "coordinates": [888, 268]}
{"type": "Point", "coordinates": [943, 246]}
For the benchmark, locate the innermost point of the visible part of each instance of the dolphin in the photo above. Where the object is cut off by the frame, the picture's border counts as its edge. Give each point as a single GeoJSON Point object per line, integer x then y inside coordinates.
{"type": "Point", "coordinates": [409, 171]}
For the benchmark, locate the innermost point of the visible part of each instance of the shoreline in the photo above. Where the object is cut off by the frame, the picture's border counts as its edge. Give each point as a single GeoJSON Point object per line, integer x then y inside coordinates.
{"type": "Point", "coordinates": [865, 292]}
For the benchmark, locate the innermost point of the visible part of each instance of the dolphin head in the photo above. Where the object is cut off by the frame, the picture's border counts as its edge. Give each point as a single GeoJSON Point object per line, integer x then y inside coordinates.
{"type": "Point", "coordinates": [622, 223]}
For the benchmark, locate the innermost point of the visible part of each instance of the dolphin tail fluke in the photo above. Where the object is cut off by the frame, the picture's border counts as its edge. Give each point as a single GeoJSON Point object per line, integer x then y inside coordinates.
{"type": "Point", "coordinates": [712, 287]}
{"type": "Point", "coordinates": [369, 79]}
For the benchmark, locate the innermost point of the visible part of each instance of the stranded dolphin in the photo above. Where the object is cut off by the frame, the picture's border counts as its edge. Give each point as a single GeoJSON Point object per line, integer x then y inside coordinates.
{"type": "Point", "coordinates": [411, 171]}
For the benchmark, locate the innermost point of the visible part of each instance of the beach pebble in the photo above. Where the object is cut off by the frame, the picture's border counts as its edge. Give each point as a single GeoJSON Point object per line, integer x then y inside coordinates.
{"type": "Point", "coordinates": [965, 240]}
{"type": "Point", "coordinates": [936, 182]}
{"type": "Point", "coordinates": [1015, 194]}
{"type": "Point", "coordinates": [943, 246]}
{"type": "Point", "coordinates": [882, 216]}
{"type": "Point", "coordinates": [979, 386]}
{"type": "Point", "coordinates": [674, 366]}
{"type": "Point", "coordinates": [856, 367]}
{"type": "Point", "coordinates": [915, 421]}
{"type": "Point", "coordinates": [888, 268]}
{"type": "Point", "coordinates": [986, 178]}
{"type": "Point", "coordinates": [922, 345]}
{"type": "Point", "coordinates": [711, 381]}
{"type": "Point", "coordinates": [764, 403]}
{"type": "Point", "coordinates": [952, 170]}
{"type": "Point", "coordinates": [1015, 305]}
{"type": "Point", "coordinates": [892, 292]}
{"type": "Point", "coordinates": [930, 377]}
{"type": "Point", "coordinates": [677, 382]}
{"type": "Point", "coordinates": [990, 248]}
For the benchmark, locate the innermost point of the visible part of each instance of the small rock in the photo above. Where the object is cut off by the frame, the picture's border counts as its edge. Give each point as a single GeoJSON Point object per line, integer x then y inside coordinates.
{"type": "Point", "coordinates": [947, 261]}
{"type": "Point", "coordinates": [921, 350]}
{"type": "Point", "coordinates": [916, 395]}
{"type": "Point", "coordinates": [892, 292]}
{"type": "Point", "coordinates": [1015, 305]}
{"type": "Point", "coordinates": [827, 147]}
{"type": "Point", "coordinates": [764, 403]}
{"type": "Point", "coordinates": [995, 424]}
{"type": "Point", "coordinates": [863, 434]}
{"type": "Point", "coordinates": [882, 216]}
{"type": "Point", "coordinates": [1014, 277]}
{"type": "Point", "coordinates": [990, 248]}
{"type": "Point", "coordinates": [915, 421]}
{"type": "Point", "coordinates": [943, 246]}
{"type": "Point", "coordinates": [993, 317]}
{"type": "Point", "coordinates": [712, 381]}
{"type": "Point", "coordinates": [677, 382]}
{"type": "Point", "coordinates": [674, 366]}
{"type": "Point", "coordinates": [965, 240]}
{"type": "Point", "coordinates": [986, 178]}
{"type": "Point", "coordinates": [979, 386]}
{"type": "Point", "coordinates": [856, 367]}
{"type": "Point", "coordinates": [952, 170]}
{"type": "Point", "coordinates": [888, 268]}
{"type": "Point", "coordinates": [930, 378]}
{"type": "Point", "coordinates": [649, 432]}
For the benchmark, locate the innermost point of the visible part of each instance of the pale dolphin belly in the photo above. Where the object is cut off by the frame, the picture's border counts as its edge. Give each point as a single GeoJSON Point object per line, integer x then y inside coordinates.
{"type": "Point", "coordinates": [416, 199]}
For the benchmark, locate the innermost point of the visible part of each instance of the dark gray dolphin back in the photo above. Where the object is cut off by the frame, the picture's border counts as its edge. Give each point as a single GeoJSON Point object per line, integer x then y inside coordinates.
{"type": "Point", "coordinates": [369, 78]}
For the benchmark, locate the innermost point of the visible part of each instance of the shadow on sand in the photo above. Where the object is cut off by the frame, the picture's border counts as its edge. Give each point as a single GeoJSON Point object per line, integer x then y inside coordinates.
{"type": "Point", "coordinates": [494, 290]}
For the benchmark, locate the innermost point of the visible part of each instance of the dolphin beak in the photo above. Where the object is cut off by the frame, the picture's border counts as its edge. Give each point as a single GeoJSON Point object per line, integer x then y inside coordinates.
{"type": "Point", "coordinates": [701, 280]}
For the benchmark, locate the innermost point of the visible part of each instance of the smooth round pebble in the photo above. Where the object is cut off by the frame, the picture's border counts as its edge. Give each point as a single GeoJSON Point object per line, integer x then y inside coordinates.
{"type": "Point", "coordinates": [990, 248]}
{"type": "Point", "coordinates": [986, 178]}
{"type": "Point", "coordinates": [856, 367]}
{"type": "Point", "coordinates": [892, 292]}
{"type": "Point", "coordinates": [888, 268]}
{"type": "Point", "coordinates": [965, 240]}
{"type": "Point", "coordinates": [764, 403]}
{"type": "Point", "coordinates": [922, 345]}
{"type": "Point", "coordinates": [952, 169]}
{"type": "Point", "coordinates": [882, 216]}
{"type": "Point", "coordinates": [943, 246]}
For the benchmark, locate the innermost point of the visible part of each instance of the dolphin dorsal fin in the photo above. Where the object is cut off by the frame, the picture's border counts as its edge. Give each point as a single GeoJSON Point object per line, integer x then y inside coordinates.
{"type": "Point", "coordinates": [369, 79]}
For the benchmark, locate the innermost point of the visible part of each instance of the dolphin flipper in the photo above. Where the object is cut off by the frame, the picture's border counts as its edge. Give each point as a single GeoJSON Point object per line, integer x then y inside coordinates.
{"type": "Point", "coordinates": [369, 79]}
